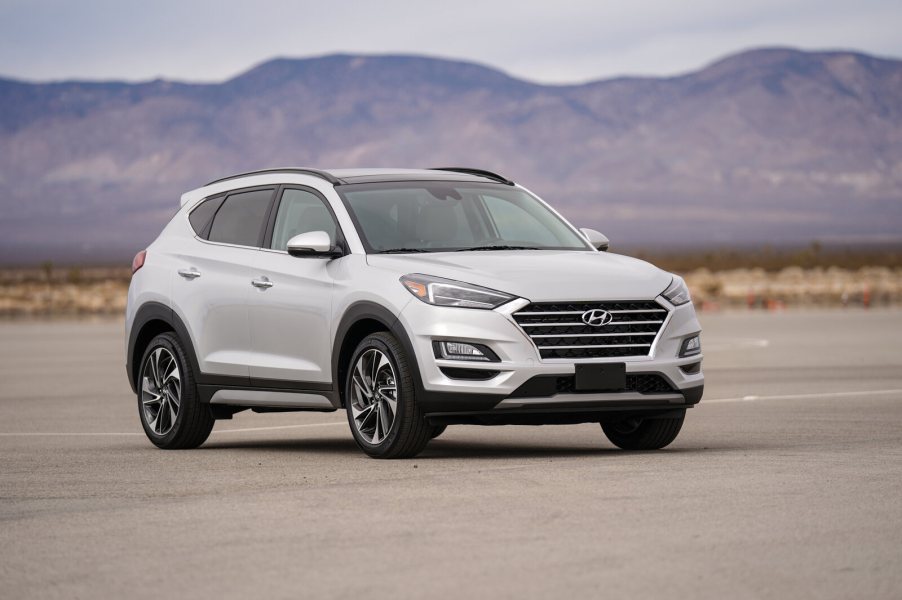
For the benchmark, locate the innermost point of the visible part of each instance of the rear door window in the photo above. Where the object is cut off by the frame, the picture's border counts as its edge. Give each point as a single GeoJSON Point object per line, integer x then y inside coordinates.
{"type": "Point", "coordinates": [240, 219]}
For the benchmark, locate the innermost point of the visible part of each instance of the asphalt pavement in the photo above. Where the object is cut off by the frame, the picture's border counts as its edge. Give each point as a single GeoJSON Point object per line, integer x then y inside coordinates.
{"type": "Point", "coordinates": [786, 482]}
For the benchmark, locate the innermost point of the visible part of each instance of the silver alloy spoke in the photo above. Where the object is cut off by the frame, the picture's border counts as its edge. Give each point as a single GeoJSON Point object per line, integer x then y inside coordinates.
{"type": "Point", "coordinates": [360, 384]}
{"type": "Point", "coordinates": [172, 394]}
{"type": "Point", "coordinates": [148, 395]}
{"type": "Point", "coordinates": [387, 393]}
{"type": "Point", "coordinates": [172, 411]}
{"type": "Point", "coordinates": [155, 367]}
{"type": "Point", "coordinates": [367, 419]}
{"type": "Point", "coordinates": [377, 437]}
{"type": "Point", "coordinates": [161, 390]}
{"type": "Point", "coordinates": [361, 414]}
{"type": "Point", "coordinates": [373, 395]}
{"type": "Point", "coordinates": [362, 376]}
{"type": "Point", "coordinates": [172, 372]}
{"type": "Point", "coordinates": [379, 362]}
{"type": "Point", "coordinates": [385, 418]}
{"type": "Point", "coordinates": [392, 405]}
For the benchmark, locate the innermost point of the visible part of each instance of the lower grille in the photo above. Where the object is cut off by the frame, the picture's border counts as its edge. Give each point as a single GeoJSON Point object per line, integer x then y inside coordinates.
{"type": "Point", "coordinates": [542, 386]}
{"type": "Point", "coordinates": [642, 384]}
{"type": "Point", "coordinates": [559, 331]}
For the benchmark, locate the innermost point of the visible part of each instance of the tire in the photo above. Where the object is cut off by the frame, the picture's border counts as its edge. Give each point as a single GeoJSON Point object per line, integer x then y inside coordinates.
{"type": "Point", "coordinates": [643, 434]}
{"type": "Point", "coordinates": [437, 430]}
{"type": "Point", "coordinates": [379, 368]}
{"type": "Point", "coordinates": [193, 420]}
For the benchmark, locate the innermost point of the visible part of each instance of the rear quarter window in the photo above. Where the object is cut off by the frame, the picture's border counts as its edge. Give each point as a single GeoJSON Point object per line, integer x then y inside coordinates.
{"type": "Point", "coordinates": [201, 216]}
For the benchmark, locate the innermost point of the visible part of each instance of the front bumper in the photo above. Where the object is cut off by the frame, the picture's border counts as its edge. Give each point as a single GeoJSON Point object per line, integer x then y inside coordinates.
{"type": "Point", "coordinates": [514, 390]}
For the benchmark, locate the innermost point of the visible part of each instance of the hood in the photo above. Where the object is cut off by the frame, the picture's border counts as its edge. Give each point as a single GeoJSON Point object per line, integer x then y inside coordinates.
{"type": "Point", "coordinates": [538, 275]}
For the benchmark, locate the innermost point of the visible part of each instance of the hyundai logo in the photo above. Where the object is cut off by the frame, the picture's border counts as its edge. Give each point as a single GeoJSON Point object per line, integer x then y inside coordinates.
{"type": "Point", "coordinates": [597, 317]}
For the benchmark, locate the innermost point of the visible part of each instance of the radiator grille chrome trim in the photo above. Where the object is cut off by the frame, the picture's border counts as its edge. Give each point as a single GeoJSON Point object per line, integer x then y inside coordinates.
{"type": "Point", "coordinates": [557, 335]}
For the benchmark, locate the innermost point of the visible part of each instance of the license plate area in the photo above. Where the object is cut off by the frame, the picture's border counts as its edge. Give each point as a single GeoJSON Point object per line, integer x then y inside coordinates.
{"type": "Point", "coordinates": [603, 377]}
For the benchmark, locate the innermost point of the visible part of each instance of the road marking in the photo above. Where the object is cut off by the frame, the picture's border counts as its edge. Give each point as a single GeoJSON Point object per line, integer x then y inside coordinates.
{"type": "Point", "coordinates": [804, 396]}
{"type": "Point", "coordinates": [108, 433]}
{"type": "Point", "coordinates": [63, 433]}
{"type": "Point", "coordinates": [750, 398]}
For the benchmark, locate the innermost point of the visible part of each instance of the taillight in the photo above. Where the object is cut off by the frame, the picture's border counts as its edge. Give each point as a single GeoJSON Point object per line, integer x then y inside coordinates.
{"type": "Point", "coordinates": [138, 261]}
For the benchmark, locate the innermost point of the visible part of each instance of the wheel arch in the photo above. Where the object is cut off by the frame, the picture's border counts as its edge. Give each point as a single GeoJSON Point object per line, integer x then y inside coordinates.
{"type": "Point", "coordinates": [152, 319]}
{"type": "Point", "coordinates": [360, 320]}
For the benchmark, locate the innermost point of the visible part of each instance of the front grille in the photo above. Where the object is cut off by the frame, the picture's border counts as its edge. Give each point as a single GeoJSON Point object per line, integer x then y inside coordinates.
{"type": "Point", "coordinates": [558, 331]}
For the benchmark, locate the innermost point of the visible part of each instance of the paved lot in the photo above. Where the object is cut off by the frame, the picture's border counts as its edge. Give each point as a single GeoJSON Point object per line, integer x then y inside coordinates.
{"type": "Point", "coordinates": [786, 482]}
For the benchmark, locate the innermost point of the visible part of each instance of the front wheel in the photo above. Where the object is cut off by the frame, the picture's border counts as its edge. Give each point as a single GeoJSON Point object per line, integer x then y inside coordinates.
{"type": "Point", "coordinates": [171, 413]}
{"type": "Point", "coordinates": [381, 401]}
{"type": "Point", "coordinates": [643, 434]}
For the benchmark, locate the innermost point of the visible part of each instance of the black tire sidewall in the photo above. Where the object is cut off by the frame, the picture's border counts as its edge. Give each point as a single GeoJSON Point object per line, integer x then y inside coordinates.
{"type": "Point", "coordinates": [651, 434]}
{"type": "Point", "coordinates": [188, 397]}
{"type": "Point", "coordinates": [373, 342]}
{"type": "Point", "coordinates": [409, 432]}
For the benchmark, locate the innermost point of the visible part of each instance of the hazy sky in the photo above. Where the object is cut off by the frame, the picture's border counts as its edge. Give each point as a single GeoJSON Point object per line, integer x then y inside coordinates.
{"type": "Point", "coordinates": [550, 41]}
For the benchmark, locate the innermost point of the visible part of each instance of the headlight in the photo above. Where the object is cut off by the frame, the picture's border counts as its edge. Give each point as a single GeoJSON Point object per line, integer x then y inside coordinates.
{"type": "Point", "coordinates": [677, 292]}
{"type": "Point", "coordinates": [447, 292]}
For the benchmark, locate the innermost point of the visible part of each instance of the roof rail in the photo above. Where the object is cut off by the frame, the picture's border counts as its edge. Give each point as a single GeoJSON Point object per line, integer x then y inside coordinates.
{"type": "Point", "coordinates": [480, 172]}
{"type": "Point", "coordinates": [315, 172]}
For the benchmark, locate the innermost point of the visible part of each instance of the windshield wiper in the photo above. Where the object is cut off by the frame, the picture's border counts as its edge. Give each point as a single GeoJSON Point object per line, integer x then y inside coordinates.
{"type": "Point", "coordinates": [497, 247]}
{"type": "Point", "coordinates": [401, 250]}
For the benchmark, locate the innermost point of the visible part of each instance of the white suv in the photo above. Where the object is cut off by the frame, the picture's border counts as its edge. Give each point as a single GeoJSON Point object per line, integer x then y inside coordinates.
{"type": "Point", "coordinates": [414, 299]}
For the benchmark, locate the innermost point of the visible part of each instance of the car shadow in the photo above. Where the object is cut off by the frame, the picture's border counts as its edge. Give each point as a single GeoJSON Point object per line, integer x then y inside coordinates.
{"type": "Point", "coordinates": [446, 449]}
{"type": "Point", "coordinates": [309, 445]}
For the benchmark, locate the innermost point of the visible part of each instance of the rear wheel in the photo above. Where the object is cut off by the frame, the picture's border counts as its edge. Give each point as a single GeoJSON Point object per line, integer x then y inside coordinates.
{"type": "Point", "coordinates": [643, 434]}
{"type": "Point", "coordinates": [380, 400]}
{"type": "Point", "coordinates": [171, 413]}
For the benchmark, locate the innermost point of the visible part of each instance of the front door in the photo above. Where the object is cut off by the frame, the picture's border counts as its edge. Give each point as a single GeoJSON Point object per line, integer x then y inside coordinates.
{"type": "Point", "coordinates": [290, 309]}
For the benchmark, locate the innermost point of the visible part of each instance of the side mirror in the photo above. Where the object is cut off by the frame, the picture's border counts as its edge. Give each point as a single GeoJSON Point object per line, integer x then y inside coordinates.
{"type": "Point", "coordinates": [312, 243]}
{"type": "Point", "coordinates": [597, 239]}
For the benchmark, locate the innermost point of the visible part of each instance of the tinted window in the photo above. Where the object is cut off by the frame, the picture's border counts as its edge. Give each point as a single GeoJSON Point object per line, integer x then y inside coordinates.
{"type": "Point", "coordinates": [299, 212]}
{"type": "Point", "coordinates": [240, 219]}
{"type": "Point", "coordinates": [201, 215]}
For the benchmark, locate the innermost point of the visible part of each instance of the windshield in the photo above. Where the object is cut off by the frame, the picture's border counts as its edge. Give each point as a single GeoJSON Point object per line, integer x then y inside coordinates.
{"type": "Point", "coordinates": [444, 216]}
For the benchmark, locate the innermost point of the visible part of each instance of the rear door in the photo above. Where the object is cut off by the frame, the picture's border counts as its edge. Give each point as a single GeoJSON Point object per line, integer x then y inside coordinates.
{"type": "Point", "coordinates": [290, 316]}
{"type": "Point", "coordinates": [213, 280]}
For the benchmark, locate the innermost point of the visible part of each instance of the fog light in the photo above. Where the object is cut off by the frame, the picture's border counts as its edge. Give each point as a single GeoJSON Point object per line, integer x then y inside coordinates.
{"type": "Point", "coordinates": [463, 351]}
{"type": "Point", "coordinates": [691, 346]}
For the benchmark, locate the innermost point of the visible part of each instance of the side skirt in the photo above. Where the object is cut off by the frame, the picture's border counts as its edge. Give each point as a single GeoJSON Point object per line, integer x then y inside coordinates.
{"type": "Point", "coordinates": [227, 400]}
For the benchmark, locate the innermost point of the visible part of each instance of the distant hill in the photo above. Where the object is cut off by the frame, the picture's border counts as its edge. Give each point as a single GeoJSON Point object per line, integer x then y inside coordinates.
{"type": "Point", "coordinates": [773, 145]}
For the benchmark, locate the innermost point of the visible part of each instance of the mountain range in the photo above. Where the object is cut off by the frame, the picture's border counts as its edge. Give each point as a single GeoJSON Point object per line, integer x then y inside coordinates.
{"type": "Point", "coordinates": [768, 146]}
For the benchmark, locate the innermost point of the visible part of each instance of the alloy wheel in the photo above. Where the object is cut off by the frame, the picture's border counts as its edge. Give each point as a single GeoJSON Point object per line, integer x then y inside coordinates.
{"type": "Point", "coordinates": [161, 391]}
{"type": "Point", "coordinates": [374, 396]}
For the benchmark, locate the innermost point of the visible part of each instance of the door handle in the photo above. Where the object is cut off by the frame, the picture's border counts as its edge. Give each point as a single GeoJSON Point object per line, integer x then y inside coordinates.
{"type": "Point", "coordinates": [191, 273]}
{"type": "Point", "coordinates": [263, 283]}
